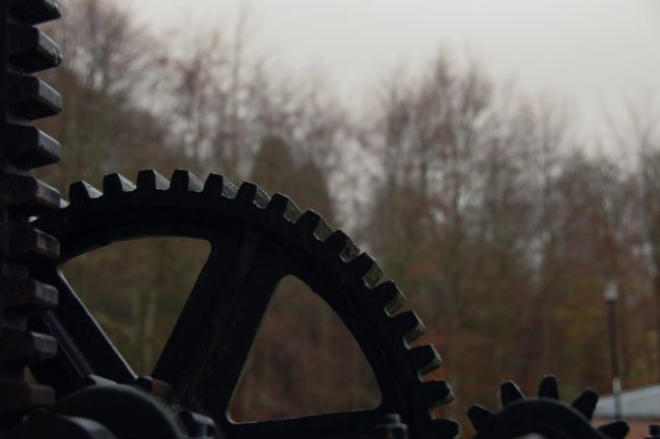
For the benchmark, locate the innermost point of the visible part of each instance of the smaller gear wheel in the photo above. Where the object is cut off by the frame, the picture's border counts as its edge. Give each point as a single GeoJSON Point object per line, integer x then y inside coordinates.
{"type": "Point", "coordinates": [545, 414]}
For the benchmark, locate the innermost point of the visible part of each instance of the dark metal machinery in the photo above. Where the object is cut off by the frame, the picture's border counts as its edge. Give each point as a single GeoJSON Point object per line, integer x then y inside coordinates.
{"type": "Point", "coordinates": [544, 415]}
{"type": "Point", "coordinates": [24, 50]}
{"type": "Point", "coordinates": [81, 387]}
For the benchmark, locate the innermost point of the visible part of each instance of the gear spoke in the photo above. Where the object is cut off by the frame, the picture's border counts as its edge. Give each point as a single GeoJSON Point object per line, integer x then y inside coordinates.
{"type": "Point", "coordinates": [213, 371]}
{"type": "Point", "coordinates": [197, 312]}
{"type": "Point", "coordinates": [84, 348]}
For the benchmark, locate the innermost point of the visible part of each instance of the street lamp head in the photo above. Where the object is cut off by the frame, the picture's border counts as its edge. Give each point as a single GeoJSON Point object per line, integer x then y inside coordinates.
{"type": "Point", "coordinates": [611, 291]}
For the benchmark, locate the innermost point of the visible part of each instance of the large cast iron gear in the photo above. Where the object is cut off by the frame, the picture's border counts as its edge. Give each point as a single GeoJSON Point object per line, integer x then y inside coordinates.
{"type": "Point", "coordinates": [545, 415]}
{"type": "Point", "coordinates": [255, 242]}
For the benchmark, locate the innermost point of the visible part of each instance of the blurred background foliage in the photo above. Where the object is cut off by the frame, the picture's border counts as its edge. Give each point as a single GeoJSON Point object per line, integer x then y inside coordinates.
{"type": "Point", "coordinates": [500, 222]}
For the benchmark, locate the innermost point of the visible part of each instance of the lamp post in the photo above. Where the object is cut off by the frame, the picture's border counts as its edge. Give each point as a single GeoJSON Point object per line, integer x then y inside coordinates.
{"type": "Point", "coordinates": [611, 294]}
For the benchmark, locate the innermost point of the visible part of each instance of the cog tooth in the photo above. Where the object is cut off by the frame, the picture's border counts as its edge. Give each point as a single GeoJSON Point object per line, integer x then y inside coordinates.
{"type": "Point", "coordinates": [28, 243]}
{"type": "Point", "coordinates": [366, 268]}
{"type": "Point", "coordinates": [435, 393]}
{"type": "Point", "coordinates": [615, 430]}
{"type": "Point", "coordinates": [548, 387]}
{"type": "Point", "coordinates": [308, 221]}
{"type": "Point", "coordinates": [479, 416]}
{"type": "Point", "coordinates": [184, 181]}
{"type": "Point", "coordinates": [30, 147]}
{"type": "Point", "coordinates": [510, 392]}
{"type": "Point", "coordinates": [586, 403]}
{"type": "Point", "coordinates": [409, 325]}
{"type": "Point", "coordinates": [29, 194]}
{"type": "Point", "coordinates": [36, 12]}
{"type": "Point", "coordinates": [217, 186]}
{"type": "Point", "coordinates": [282, 206]}
{"type": "Point", "coordinates": [389, 296]}
{"type": "Point", "coordinates": [425, 358]}
{"type": "Point", "coordinates": [18, 396]}
{"type": "Point", "coordinates": [252, 193]}
{"type": "Point", "coordinates": [117, 184]}
{"type": "Point", "coordinates": [323, 230]}
{"type": "Point", "coordinates": [312, 223]}
{"type": "Point", "coordinates": [81, 192]}
{"type": "Point", "coordinates": [28, 294]}
{"type": "Point", "coordinates": [32, 98]}
{"type": "Point", "coordinates": [31, 49]}
{"type": "Point", "coordinates": [25, 347]}
{"type": "Point", "coordinates": [340, 244]}
{"type": "Point", "coordinates": [148, 181]}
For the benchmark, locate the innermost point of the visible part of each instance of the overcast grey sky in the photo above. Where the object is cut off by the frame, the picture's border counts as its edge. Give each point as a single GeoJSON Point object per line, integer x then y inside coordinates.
{"type": "Point", "coordinates": [586, 52]}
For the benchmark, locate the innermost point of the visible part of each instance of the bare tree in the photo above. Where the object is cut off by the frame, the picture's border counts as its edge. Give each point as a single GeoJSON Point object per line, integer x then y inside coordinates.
{"type": "Point", "coordinates": [644, 137]}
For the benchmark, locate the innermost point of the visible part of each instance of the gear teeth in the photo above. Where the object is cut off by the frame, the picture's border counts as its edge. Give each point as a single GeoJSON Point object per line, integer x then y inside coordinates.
{"type": "Point", "coordinates": [510, 392]}
{"type": "Point", "coordinates": [309, 221]}
{"type": "Point", "coordinates": [26, 347]}
{"type": "Point", "coordinates": [340, 244]}
{"type": "Point", "coordinates": [435, 394]}
{"type": "Point", "coordinates": [615, 430]}
{"type": "Point", "coordinates": [149, 181]}
{"type": "Point", "coordinates": [445, 428]}
{"type": "Point", "coordinates": [409, 325]}
{"type": "Point", "coordinates": [479, 416]}
{"type": "Point", "coordinates": [534, 412]}
{"type": "Point", "coordinates": [282, 206]}
{"type": "Point", "coordinates": [548, 387]}
{"type": "Point", "coordinates": [28, 294]}
{"type": "Point", "coordinates": [81, 192]}
{"type": "Point", "coordinates": [28, 243]}
{"type": "Point", "coordinates": [36, 11]}
{"type": "Point", "coordinates": [31, 148]}
{"type": "Point", "coordinates": [366, 268]}
{"type": "Point", "coordinates": [390, 296]}
{"type": "Point", "coordinates": [252, 193]}
{"type": "Point", "coordinates": [32, 98]}
{"type": "Point", "coordinates": [117, 184]}
{"type": "Point", "coordinates": [425, 358]}
{"type": "Point", "coordinates": [586, 403]}
{"type": "Point", "coordinates": [31, 195]}
{"type": "Point", "coordinates": [32, 50]}
{"type": "Point", "coordinates": [19, 396]}
{"type": "Point", "coordinates": [185, 181]}
{"type": "Point", "coordinates": [217, 186]}
{"type": "Point", "coordinates": [312, 223]}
